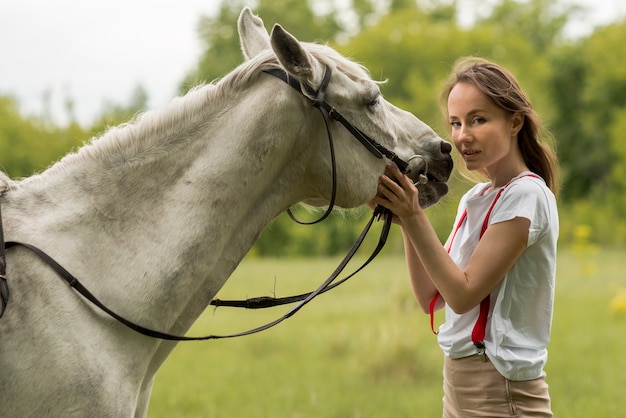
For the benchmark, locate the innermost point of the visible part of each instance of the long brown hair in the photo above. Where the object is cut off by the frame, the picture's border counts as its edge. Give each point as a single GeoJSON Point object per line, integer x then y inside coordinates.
{"type": "Point", "coordinates": [502, 89]}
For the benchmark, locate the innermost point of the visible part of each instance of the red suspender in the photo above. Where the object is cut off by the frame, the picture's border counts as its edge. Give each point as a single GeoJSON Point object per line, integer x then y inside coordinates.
{"type": "Point", "coordinates": [478, 333]}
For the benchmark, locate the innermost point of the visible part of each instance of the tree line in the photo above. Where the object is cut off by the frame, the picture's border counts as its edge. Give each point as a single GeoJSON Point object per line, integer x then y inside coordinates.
{"type": "Point", "coordinates": [577, 85]}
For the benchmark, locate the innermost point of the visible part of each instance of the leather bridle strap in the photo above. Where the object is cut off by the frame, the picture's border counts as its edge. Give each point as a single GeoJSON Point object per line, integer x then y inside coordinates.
{"type": "Point", "coordinates": [377, 149]}
{"type": "Point", "coordinates": [262, 302]}
{"type": "Point", "coordinates": [78, 286]}
{"type": "Point", "coordinates": [4, 288]}
{"type": "Point", "coordinates": [327, 285]}
{"type": "Point", "coordinates": [316, 98]}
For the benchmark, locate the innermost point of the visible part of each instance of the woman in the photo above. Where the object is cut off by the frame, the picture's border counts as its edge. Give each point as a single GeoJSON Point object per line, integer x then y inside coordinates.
{"type": "Point", "coordinates": [495, 275]}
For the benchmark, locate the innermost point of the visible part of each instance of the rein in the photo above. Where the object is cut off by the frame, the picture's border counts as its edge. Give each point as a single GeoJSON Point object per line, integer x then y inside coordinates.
{"type": "Point", "coordinates": [317, 99]}
{"type": "Point", "coordinates": [263, 302]}
{"type": "Point", "coordinates": [4, 288]}
{"type": "Point", "coordinates": [379, 151]}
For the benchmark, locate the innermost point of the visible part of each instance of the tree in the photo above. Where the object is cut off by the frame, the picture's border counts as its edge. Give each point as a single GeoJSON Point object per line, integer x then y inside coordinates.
{"type": "Point", "coordinates": [589, 90]}
{"type": "Point", "coordinates": [219, 34]}
{"type": "Point", "coordinates": [604, 98]}
{"type": "Point", "coordinates": [617, 148]}
{"type": "Point", "coordinates": [568, 124]}
{"type": "Point", "coordinates": [16, 136]}
{"type": "Point", "coordinates": [30, 144]}
{"type": "Point", "coordinates": [541, 21]}
{"type": "Point", "coordinates": [113, 114]}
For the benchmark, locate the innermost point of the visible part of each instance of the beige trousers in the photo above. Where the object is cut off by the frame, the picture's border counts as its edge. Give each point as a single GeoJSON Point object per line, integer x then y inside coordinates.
{"type": "Point", "coordinates": [473, 388]}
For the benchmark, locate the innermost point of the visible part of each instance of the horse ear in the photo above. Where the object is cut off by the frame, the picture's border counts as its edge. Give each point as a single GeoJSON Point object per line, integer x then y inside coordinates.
{"type": "Point", "coordinates": [252, 34]}
{"type": "Point", "coordinates": [290, 53]}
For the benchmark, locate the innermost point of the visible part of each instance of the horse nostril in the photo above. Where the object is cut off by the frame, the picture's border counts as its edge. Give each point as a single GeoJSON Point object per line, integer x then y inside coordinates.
{"type": "Point", "coordinates": [446, 147]}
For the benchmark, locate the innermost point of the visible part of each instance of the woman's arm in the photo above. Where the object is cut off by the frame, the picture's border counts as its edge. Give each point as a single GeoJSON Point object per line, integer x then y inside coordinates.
{"type": "Point", "coordinates": [499, 248]}
{"type": "Point", "coordinates": [421, 283]}
{"type": "Point", "coordinates": [497, 251]}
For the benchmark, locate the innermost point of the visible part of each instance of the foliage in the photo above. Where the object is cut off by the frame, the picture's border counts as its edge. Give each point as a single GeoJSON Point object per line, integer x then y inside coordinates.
{"type": "Point", "coordinates": [29, 144]}
{"type": "Point", "coordinates": [219, 33]}
{"type": "Point", "coordinates": [542, 21]}
{"type": "Point", "coordinates": [590, 90]}
{"type": "Point", "coordinates": [114, 114]}
{"type": "Point", "coordinates": [336, 237]}
{"type": "Point", "coordinates": [578, 86]}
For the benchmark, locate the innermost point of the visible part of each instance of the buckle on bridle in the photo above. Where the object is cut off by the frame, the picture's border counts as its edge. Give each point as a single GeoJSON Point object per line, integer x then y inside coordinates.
{"type": "Point", "coordinates": [320, 94]}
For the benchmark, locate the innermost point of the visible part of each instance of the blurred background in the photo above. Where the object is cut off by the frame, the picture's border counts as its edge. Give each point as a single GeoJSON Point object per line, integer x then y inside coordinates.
{"type": "Point", "coordinates": [69, 69]}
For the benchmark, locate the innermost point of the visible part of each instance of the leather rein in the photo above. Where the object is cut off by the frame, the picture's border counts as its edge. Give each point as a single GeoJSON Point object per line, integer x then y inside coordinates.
{"type": "Point", "coordinates": [317, 99]}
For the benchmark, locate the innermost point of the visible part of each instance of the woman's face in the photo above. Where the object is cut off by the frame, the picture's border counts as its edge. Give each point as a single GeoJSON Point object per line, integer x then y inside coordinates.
{"type": "Point", "coordinates": [484, 134]}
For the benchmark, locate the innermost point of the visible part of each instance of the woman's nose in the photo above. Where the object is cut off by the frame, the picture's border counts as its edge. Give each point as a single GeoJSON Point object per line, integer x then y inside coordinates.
{"type": "Point", "coordinates": [463, 133]}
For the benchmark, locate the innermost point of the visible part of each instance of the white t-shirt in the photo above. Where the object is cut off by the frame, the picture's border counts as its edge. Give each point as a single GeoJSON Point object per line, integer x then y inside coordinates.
{"type": "Point", "coordinates": [520, 315]}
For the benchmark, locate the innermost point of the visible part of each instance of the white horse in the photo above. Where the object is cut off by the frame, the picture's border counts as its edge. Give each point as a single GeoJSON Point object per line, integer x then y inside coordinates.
{"type": "Point", "coordinates": [155, 215]}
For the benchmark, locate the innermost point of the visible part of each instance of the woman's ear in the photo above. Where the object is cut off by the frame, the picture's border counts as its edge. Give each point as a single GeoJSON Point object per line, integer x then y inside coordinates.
{"type": "Point", "coordinates": [517, 121]}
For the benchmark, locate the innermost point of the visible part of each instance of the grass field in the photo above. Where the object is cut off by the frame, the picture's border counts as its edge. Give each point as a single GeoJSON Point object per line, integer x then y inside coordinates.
{"type": "Point", "coordinates": [365, 350]}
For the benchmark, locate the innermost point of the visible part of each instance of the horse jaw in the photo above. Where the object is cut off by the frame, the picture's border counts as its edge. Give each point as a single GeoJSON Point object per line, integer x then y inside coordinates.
{"type": "Point", "coordinates": [252, 33]}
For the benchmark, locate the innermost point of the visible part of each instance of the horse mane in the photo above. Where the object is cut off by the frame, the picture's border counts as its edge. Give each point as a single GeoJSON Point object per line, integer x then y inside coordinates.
{"type": "Point", "coordinates": [154, 132]}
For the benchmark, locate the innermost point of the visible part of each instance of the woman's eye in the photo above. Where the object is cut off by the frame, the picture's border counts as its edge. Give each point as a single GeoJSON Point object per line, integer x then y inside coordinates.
{"type": "Point", "coordinates": [455, 124]}
{"type": "Point", "coordinates": [478, 120]}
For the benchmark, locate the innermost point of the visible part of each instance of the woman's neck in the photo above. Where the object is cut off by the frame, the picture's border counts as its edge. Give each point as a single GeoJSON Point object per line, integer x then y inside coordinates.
{"type": "Point", "coordinates": [502, 177]}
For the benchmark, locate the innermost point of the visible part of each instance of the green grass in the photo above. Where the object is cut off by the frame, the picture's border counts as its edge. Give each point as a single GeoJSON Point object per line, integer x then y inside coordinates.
{"type": "Point", "coordinates": [365, 349]}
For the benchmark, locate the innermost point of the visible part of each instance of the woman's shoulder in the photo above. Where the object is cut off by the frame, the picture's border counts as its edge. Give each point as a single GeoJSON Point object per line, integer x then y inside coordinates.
{"type": "Point", "coordinates": [531, 184]}
{"type": "Point", "coordinates": [528, 197]}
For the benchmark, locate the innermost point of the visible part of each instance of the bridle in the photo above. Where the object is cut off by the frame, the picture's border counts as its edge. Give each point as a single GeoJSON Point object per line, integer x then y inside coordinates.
{"type": "Point", "coordinates": [317, 99]}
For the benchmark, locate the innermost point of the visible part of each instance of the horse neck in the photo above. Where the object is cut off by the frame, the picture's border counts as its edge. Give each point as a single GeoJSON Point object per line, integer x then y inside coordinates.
{"type": "Point", "coordinates": [181, 211]}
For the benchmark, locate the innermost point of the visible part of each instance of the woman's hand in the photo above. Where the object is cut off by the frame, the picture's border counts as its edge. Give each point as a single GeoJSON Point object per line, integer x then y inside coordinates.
{"type": "Point", "coordinates": [397, 193]}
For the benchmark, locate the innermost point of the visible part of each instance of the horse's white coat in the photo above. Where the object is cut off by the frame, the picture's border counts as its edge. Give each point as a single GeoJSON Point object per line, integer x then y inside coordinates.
{"type": "Point", "coordinates": [155, 215]}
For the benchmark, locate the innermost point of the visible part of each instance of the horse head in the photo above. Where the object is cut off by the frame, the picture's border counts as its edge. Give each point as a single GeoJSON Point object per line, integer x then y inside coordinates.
{"type": "Point", "coordinates": [352, 92]}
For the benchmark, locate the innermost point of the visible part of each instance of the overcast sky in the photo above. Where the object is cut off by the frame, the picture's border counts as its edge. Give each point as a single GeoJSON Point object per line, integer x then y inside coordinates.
{"type": "Point", "coordinates": [98, 51]}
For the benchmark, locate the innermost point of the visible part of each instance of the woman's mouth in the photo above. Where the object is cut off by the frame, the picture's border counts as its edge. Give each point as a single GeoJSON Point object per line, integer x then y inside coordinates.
{"type": "Point", "coordinates": [470, 154]}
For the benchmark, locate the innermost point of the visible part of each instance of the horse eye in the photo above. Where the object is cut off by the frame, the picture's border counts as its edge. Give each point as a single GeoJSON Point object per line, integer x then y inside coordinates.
{"type": "Point", "coordinates": [375, 101]}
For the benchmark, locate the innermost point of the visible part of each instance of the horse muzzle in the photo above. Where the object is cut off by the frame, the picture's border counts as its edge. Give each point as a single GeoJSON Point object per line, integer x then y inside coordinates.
{"type": "Point", "coordinates": [430, 175]}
